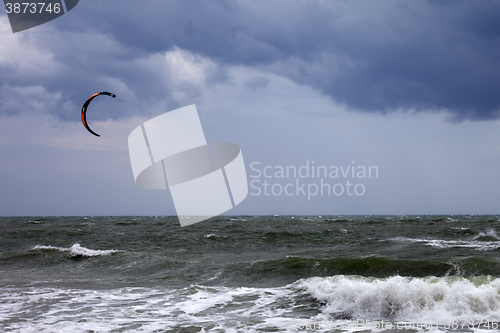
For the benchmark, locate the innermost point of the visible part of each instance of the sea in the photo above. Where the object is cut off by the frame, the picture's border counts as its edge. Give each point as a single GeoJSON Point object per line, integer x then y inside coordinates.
{"type": "Point", "coordinates": [250, 274]}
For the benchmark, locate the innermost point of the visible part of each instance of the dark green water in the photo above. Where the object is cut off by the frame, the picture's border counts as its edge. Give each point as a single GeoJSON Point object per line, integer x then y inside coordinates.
{"type": "Point", "coordinates": [322, 267]}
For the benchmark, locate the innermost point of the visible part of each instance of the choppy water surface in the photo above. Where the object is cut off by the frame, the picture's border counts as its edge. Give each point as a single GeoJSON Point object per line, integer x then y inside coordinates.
{"type": "Point", "coordinates": [250, 274]}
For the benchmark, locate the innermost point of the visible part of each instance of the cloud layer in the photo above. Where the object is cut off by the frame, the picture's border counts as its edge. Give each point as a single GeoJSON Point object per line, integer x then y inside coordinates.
{"type": "Point", "coordinates": [369, 56]}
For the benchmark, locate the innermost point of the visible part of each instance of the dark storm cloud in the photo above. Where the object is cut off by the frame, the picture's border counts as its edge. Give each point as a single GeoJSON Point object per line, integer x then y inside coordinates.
{"type": "Point", "coordinates": [370, 56]}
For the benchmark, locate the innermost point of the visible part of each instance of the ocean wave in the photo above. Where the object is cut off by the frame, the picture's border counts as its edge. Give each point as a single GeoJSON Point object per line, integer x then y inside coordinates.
{"type": "Point", "coordinates": [482, 243]}
{"type": "Point", "coordinates": [213, 236]}
{"type": "Point", "coordinates": [192, 309]}
{"type": "Point", "coordinates": [405, 298]}
{"type": "Point", "coordinates": [199, 308]}
{"type": "Point", "coordinates": [76, 250]}
{"type": "Point", "coordinates": [489, 235]}
{"type": "Point", "coordinates": [292, 268]}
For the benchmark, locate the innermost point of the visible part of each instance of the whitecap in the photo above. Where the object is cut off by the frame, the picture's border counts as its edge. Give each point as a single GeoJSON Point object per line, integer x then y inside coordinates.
{"type": "Point", "coordinates": [76, 250]}
{"type": "Point", "coordinates": [400, 298]}
{"type": "Point", "coordinates": [476, 244]}
{"type": "Point", "coordinates": [489, 235]}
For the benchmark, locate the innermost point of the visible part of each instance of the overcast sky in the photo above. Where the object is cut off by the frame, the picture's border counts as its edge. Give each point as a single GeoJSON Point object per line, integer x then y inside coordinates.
{"type": "Point", "coordinates": [411, 88]}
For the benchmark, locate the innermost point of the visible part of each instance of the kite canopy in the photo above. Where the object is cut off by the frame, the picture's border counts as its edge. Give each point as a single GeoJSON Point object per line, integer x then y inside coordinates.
{"type": "Point", "coordinates": [86, 105]}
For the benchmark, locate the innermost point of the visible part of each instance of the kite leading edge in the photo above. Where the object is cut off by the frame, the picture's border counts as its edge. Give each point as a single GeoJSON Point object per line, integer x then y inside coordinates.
{"type": "Point", "coordinates": [85, 106]}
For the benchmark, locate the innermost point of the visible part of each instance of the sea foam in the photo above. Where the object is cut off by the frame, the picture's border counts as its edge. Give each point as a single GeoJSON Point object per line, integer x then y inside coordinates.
{"type": "Point", "coordinates": [405, 298]}
{"type": "Point", "coordinates": [480, 242]}
{"type": "Point", "coordinates": [76, 250]}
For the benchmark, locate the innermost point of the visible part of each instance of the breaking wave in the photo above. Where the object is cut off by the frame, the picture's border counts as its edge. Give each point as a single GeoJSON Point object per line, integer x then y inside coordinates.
{"type": "Point", "coordinates": [484, 242]}
{"type": "Point", "coordinates": [406, 298]}
{"type": "Point", "coordinates": [76, 250]}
